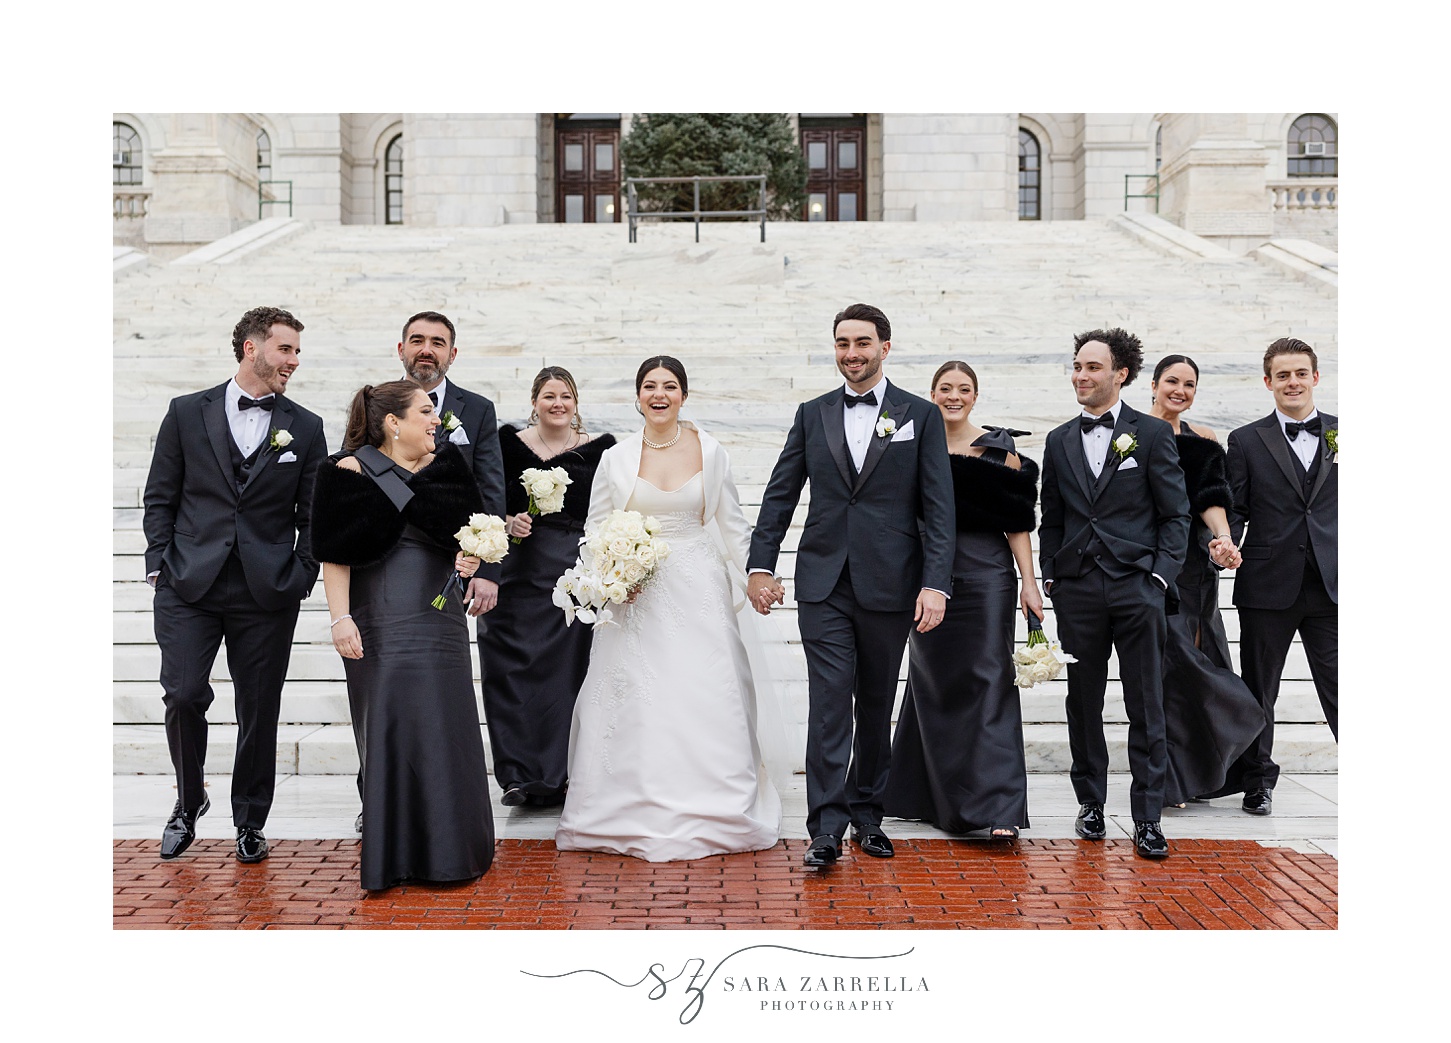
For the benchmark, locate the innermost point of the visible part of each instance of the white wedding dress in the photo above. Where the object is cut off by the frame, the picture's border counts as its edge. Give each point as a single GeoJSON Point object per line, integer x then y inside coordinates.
{"type": "Point", "coordinates": [664, 762]}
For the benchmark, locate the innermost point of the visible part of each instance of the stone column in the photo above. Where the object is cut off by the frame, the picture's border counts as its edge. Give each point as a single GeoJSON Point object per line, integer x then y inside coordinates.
{"type": "Point", "coordinates": [1212, 181]}
{"type": "Point", "coordinates": [204, 182]}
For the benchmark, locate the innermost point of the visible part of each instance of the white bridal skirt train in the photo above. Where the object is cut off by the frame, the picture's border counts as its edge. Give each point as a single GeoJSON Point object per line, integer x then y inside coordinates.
{"type": "Point", "coordinates": [664, 762]}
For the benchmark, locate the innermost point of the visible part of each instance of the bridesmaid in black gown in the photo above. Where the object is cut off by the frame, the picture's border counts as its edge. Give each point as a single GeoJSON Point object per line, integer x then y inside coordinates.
{"type": "Point", "coordinates": [536, 663]}
{"type": "Point", "coordinates": [957, 754]}
{"type": "Point", "coordinates": [384, 516]}
{"type": "Point", "coordinates": [1210, 716]}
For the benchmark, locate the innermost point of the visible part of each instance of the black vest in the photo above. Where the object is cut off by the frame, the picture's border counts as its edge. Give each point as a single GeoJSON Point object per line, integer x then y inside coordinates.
{"type": "Point", "coordinates": [242, 466]}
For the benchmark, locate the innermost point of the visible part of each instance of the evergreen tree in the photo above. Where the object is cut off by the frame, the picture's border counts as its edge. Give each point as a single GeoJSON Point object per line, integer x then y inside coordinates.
{"type": "Point", "coordinates": [687, 144]}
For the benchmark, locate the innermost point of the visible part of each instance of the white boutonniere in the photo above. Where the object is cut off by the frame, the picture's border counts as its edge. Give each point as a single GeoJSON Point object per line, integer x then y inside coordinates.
{"type": "Point", "coordinates": [281, 439]}
{"type": "Point", "coordinates": [450, 421]}
{"type": "Point", "coordinates": [1332, 439]}
{"type": "Point", "coordinates": [886, 426]}
{"type": "Point", "coordinates": [1124, 445]}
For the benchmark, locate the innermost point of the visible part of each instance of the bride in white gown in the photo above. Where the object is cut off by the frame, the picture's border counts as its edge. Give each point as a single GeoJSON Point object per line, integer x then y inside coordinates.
{"type": "Point", "coordinates": [664, 763]}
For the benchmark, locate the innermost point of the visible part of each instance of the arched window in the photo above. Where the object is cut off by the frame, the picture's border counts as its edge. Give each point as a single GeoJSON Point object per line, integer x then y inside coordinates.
{"type": "Point", "coordinates": [1310, 147]}
{"type": "Point", "coordinates": [264, 156]}
{"type": "Point", "coordinates": [393, 182]}
{"type": "Point", "coordinates": [125, 155]}
{"type": "Point", "coordinates": [1029, 177]}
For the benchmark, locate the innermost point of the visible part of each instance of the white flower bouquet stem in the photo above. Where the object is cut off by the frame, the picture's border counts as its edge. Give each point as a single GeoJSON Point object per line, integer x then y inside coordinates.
{"type": "Point", "coordinates": [483, 538]}
{"type": "Point", "coordinates": [1040, 659]}
{"type": "Point", "coordinates": [545, 487]}
{"type": "Point", "coordinates": [615, 562]}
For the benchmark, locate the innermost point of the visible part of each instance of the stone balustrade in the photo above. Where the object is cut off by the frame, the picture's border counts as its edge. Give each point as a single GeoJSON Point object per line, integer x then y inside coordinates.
{"type": "Point", "coordinates": [1304, 193]}
{"type": "Point", "coordinates": [129, 201]}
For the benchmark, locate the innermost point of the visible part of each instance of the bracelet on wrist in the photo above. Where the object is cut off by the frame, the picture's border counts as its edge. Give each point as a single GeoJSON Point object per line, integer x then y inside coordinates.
{"type": "Point", "coordinates": [335, 622]}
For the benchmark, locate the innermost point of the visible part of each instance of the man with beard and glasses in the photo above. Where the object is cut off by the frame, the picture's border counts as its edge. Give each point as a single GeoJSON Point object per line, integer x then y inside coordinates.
{"type": "Point", "coordinates": [227, 510]}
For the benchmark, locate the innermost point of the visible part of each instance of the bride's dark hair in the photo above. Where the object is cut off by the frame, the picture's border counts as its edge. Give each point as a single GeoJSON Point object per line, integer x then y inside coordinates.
{"type": "Point", "coordinates": [370, 405]}
{"type": "Point", "coordinates": [674, 365]}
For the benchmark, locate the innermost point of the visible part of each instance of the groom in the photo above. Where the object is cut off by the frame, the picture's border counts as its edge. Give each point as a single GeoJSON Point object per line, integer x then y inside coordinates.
{"type": "Point", "coordinates": [875, 556]}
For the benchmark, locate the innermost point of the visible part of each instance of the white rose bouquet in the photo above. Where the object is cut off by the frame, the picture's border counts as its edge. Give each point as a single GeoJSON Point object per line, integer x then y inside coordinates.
{"type": "Point", "coordinates": [545, 487]}
{"type": "Point", "coordinates": [616, 560]}
{"type": "Point", "coordinates": [484, 538]}
{"type": "Point", "coordinates": [1040, 659]}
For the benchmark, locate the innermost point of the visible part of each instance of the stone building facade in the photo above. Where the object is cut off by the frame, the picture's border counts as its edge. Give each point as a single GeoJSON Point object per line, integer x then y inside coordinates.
{"type": "Point", "coordinates": [183, 179]}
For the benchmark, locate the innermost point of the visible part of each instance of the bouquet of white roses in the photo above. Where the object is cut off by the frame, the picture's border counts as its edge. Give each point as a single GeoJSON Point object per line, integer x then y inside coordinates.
{"type": "Point", "coordinates": [615, 562]}
{"type": "Point", "coordinates": [545, 487]}
{"type": "Point", "coordinates": [1040, 659]}
{"type": "Point", "coordinates": [484, 538]}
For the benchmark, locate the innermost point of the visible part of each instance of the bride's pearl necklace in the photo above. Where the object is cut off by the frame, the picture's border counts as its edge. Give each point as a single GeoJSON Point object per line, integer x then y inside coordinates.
{"type": "Point", "coordinates": [662, 445]}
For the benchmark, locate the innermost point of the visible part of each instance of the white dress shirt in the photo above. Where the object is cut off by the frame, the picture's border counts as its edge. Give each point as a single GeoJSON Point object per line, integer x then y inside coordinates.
{"type": "Point", "coordinates": [1095, 441]}
{"type": "Point", "coordinates": [249, 426]}
{"type": "Point", "coordinates": [1304, 444]}
{"type": "Point", "coordinates": [860, 422]}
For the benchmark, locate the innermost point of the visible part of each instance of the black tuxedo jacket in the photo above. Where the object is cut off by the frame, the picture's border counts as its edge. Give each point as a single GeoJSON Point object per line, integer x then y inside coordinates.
{"type": "Point", "coordinates": [480, 424]}
{"type": "Point", "coordinates": [1137, 517]}
{"type": "Point", "coordinates": [194, 515]}
{"type": "Point", "coordinates": [1274, 523]}
{"type": "Point", "coordinates": [895, 522]}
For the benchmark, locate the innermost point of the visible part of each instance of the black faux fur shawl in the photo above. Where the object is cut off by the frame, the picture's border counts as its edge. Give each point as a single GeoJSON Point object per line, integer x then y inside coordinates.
{"type": "Point", "coordinates": [993, 497]}
{"type": "Point", "coordinates": [1205, 475]}
{"type": "Point", "coordinates": [580, 464]}
{"type": "Point", "coordinates": [354, 522]}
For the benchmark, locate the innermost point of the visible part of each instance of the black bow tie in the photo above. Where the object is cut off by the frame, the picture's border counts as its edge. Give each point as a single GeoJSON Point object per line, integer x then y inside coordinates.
{"type": "Point", "coordinates": [1090, 422]}
{"type": "Point", "coordinates": [870, 398]}
{"type": "Point", "coordinates": [1292, 429]}
{"type": "Point", "coordinates": [434, 395]}
{"type": "Point", "coordinates": [243, 402]}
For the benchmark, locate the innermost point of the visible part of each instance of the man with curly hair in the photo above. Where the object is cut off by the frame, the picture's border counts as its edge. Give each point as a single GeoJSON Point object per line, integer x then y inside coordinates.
{"type": "Point", "coordinates": [1113, 538]}
{"type": "Point", "coordinates": [226, 521]}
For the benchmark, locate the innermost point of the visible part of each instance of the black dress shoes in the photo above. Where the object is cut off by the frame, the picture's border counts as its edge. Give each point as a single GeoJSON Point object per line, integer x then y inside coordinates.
{"type": "Point", "coordinates": [1149, 840]}
{"type": "Point", "coordinates": [514, 797]}
{"type": "Point", "coordinates": [1258, 801]}
{"type": "Point", "coordinates": [358, 824]}
{"type": "Point", "coordinates": [1090, 824]}
{"type": "Point", "coordinates": [251, 845]}
{"type": "Point", "coordinates": [180, 829]}
{"type": "Point", "coordinates": [823, 852]}
{"type": "Point", "coordinates": [873, 841]}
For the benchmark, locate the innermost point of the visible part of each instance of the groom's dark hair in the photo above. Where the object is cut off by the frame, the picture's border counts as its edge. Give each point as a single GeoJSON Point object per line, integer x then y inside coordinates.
{"type": "Point", "coordinates": [866, 313]}
{"type": "Point", "coordinates": [431, 316]}
{"type": "Point", "coordinates": [256, 324]}
{"type": "Point", "coordinates": [1290, 346]}
{"type": "Point", "coordinates": [1125, 349]}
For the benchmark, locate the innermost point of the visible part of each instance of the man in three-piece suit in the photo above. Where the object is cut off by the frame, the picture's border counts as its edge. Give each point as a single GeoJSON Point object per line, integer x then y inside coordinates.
{"type": "Point", "coordinates": [875, 556]}
{"type": "Point", "coordinates": [1114, 534]}
{"type": "Point", "coordinates": [226, 519]}
{"type": "Point", "coordinates": [1286, 488]}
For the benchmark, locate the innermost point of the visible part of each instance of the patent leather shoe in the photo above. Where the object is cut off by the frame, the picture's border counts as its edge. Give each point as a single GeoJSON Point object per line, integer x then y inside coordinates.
{"type": "Point", "coordinates": [180, 829]}
{"type": "Point", "coordinates": [358, 824]}
{"type": "Point", "coordinates": [873, 841]}
{"type": "Point", "coordinates": [1149, 840]}
{"type": "Point", "coordinates": [251, 845]}
{"type": "Point", "coordinates": [1258, 801]}
{"type": "Point", "coordinates": [1090, 824]}
{"type": "Point", "coordinates": [514, 797]}
{"type": "Point", "coordinates": [823, 852]}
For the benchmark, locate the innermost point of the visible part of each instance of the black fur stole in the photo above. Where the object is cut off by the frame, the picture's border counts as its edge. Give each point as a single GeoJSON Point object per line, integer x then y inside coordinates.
{"type": "Point", "coordinates": [993, 497]}
{"type": "Point", "coordinates": [354, 523]}
{"type": "Point", "coordinates": [1205, 475]}
{"type": "Point", "coordinates": [580, 464]}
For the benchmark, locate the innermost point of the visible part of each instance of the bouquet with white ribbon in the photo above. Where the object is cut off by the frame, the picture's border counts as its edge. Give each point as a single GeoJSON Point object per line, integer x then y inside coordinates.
{"type": "Point", "coordinates": [545, 487]}
{"type": "Point", "coordinates": [1040, 659]}
{"type": "Point", "coordinates": [616, 560]}
{"type": "Point", "coordinates": [484, 538]}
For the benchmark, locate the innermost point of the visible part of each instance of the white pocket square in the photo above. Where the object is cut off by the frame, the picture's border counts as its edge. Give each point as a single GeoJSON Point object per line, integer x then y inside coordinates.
{"type": "Point", "coordinates": [904, 433]}
{"type": "Point", "coordinates": [1128, 464]}
{"type": "Point", "coordinates": [457, 436]}
{"type": "Point", "coordinates": [288, 457]}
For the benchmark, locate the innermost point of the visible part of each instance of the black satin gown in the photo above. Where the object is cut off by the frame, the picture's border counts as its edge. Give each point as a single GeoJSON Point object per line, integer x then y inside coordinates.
{"type": "Point", "coordinates": [957, 754]}
{"type": "Point", "coordinates": [536, 663]}
{"type": "Point", "coordinates": [1210, 715]}
{"type": "Point", "coordinates": [426, 812]}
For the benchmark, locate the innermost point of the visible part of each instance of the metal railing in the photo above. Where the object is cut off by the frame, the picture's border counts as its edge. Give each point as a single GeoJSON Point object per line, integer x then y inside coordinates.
{"type": "Point", "coordinates": [264, 199]}
{"type": "Point", "coordinates": [1152, 182]}
{"type": "Point", "coordinates": [635, 214]}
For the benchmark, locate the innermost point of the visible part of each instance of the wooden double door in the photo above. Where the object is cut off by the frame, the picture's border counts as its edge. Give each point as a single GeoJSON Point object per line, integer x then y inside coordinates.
{"type": "Point", "coordinates": [836, 176]}
{"type": "Point", "coordinates": [586, 173]}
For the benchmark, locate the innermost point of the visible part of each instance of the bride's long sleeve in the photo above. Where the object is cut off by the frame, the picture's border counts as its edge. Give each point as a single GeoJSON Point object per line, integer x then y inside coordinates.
{"type": "Point", "coordinates": [600, 496]}
{"type": "Point", "coordinates": [729, 516]}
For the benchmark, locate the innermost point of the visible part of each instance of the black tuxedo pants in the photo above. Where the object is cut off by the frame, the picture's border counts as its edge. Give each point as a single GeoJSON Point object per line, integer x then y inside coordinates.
{"type": "Point", "coordinates": [1264, 642]}
{"type": "Point", "coordinates": [259, 645]}
{"type": "Point", "coordinates": [1097, 614]}
{"type": "Point", "coordinates": [853, 657]}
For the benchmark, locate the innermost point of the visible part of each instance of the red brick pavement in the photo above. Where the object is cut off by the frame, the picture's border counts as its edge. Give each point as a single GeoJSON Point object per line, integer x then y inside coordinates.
{"type": "Point", "coordinates": [931, 884]}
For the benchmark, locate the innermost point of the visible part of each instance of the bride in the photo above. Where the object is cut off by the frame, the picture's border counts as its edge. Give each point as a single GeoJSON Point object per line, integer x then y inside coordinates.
{"type": "Point", "coordinates": [664, 762]}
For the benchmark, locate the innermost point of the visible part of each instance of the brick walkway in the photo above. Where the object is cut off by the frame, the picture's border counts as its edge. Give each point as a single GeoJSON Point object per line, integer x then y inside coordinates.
{"type": "Point", "coordinates": [931, 884]}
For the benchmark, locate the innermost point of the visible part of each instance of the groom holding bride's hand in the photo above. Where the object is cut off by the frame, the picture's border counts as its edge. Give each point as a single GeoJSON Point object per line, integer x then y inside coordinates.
{"type": "Point", "coordinates": [875, 557]}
